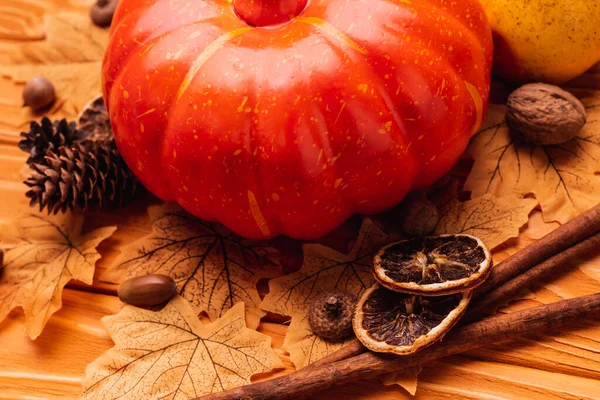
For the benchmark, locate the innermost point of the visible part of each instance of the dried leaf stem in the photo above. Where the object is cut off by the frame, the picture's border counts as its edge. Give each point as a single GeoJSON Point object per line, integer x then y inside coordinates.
{"type": "Point", "coordinates": [307, 381]}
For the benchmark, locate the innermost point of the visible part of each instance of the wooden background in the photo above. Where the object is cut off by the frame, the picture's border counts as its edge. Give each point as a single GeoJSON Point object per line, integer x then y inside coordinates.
{"type": "Point", "coordinates": [55, 38]}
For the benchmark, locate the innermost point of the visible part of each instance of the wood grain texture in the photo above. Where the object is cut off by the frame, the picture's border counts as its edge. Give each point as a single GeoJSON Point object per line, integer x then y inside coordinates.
{"type": "Point", "coordinates": [51, 35]}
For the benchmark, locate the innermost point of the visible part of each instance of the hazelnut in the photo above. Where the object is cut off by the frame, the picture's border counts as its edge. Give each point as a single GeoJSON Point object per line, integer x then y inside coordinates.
{"type": "Point", "coordinates": [147, 290]}
{"type": "Point", "coordinates": [330, 315]}
{"type": "Point", "coordinates": [544, 115]}
{"type": "Point", "coordinates": [102, 12]}
{"type": "Point", "coordinates": [419, 216]}
{"type": "Point", "coordinates": [38, 93]}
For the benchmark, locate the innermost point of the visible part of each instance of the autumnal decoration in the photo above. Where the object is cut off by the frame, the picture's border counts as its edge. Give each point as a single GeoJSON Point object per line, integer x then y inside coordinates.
{"type": "Point", "coordinates": [544, 114]}
{"type": "Point", "coordinates": [42, 254]}
{"type": "Point", "coordinates": [324, 269]}
{"type": "Point", "coordinates": [419, 215]}
{"type": "Point", "coordinates": [352, 363]}
{"type": "Point", "coordinates": [59, 40]}
{"type": "Point", "coordinates": [435, 265]}
{"type": "Point", "coordinates": [304, 383]}
{"type": "Point", "coordinates": [38, 93]}
{"type": "Point", "coordinates": [47, 136]}
{"type": "Point", "coordinates": [93, 121]}
{"type": "Point", "coordinates": [213, 268]}
{"type": "Point", "coordinates": [493, 220]}
{"type": "Point", "coordinates": [75, 84]}
{"type": "Point", "coordinates": [534, 276]}
{"type": "Point", "coordinates": [563, 178]}
{"type": "Point", "coordinates": [330, 315]}
{"type": "Point", "coordinates": [391, 322]}
{"type": "Point", "coordinates": [76, 168]}
{"type": "Point", "coordinates": [559, 240]}
{"type": "Point", "coordinates": [541, 40]}
{"type": "Point", "coordinates": [339, 126]}
{"type": "Point", "coordinates": [171, 354]}
{"type": "Point", "coordinates": [102, 12]}
{"type": "Point", "coordinates": [147, 290]}
{"type": "Point", "coordinates": [86, 174]}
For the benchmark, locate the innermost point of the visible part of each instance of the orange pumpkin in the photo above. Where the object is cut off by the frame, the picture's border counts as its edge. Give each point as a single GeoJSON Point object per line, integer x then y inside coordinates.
{"type": "Point", "coordinates": [288, 116]}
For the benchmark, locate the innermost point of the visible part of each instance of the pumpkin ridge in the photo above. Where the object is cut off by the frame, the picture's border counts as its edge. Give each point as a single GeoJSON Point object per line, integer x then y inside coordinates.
{"type": "Point", "coordinates": [331, 31]}
{"type": "Point", "coordinates": [205, 55]}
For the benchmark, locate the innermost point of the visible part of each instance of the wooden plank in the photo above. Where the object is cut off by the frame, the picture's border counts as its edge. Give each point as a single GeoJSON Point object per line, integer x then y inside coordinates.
{"type": "Point", "coordinates": [48, 33]}
{"type": "Point", "coordinates": [53, 365]}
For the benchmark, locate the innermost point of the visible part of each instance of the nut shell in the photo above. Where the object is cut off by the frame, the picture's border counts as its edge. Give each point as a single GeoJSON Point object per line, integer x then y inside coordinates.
{"type": "Point", "coordinates": [38, 93]}
{"type": "Point", "coordinates": [147, 290]}
{"type": "Point", "coordinates": [544, 114]}
{"type": "Point", "coordinates": [419, 216]}
{"type": "Point", "coordinates": [331, 313]}
{"type": "Point", "coordinates": [102, 12]}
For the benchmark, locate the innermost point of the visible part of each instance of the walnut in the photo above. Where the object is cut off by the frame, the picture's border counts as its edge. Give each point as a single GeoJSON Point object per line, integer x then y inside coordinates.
{"type": "Point", "coordinates": [544, 114]}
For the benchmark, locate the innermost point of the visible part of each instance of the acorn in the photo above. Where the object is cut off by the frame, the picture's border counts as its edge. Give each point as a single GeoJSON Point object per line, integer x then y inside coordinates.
{"type": "Point", "coordinates": [330, 315]}
{"type": "Point", "coordinates": [38, 93]}
{"type": "Point", "coordinates": [102, 12]}
{"type": "Point", "coordinates": [419, 215]}
{"type": "Point", "coordinates": [147, 290]}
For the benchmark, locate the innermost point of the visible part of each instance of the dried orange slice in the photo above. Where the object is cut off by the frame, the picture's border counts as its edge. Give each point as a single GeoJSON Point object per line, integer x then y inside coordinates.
{"type": "Point", "coordinates": [400, 323]}
{"type": "Point", "coordinates": [434, 266]}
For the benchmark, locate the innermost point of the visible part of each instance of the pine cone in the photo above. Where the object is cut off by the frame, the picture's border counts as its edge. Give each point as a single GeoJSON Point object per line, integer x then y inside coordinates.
{"type": "Point", "coordinates": [86, 175]}
{"type": "Point", "coordinates": [47, 136]}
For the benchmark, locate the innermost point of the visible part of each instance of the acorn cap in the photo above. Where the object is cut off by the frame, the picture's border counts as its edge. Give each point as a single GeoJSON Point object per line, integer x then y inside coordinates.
{"type": "Point", "coordinates": [330, 315]}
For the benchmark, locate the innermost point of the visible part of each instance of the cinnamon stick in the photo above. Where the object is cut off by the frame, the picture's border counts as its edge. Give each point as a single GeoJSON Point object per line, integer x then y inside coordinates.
{"type": "Point", "coordinates": [487, 304]}
{"type": "Point", "coordinates": [308, 381]}
{"type": "Point", "coordinates": [563, 237]}
{"type": "Point", "coordinates": [500, 285]}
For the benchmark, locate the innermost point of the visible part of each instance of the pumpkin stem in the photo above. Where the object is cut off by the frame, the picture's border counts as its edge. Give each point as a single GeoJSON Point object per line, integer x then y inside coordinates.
{"type": "Point", "coordinates": [268, 12]}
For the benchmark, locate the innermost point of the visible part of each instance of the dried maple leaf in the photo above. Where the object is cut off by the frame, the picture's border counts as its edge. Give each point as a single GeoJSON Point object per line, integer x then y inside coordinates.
{"type": "Point", "coordinates": [42, 254]}
{"type": "Point", "coordinates": [213, 268]}
{"type": "Point", "coordinates": [68, 37]}
{"type": "Point", "coordinates": [494, 220]}
{"type": "Point", "coordinates": [323, 269]}
{"type": "Point", "coordinates": [171, 354]}
{"type": "Point", "coordinates": [75, 85]}
{"type": "Point", "coordinates": [405, 378]}
{"type": "Point", "coordinates": [564, 178]}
